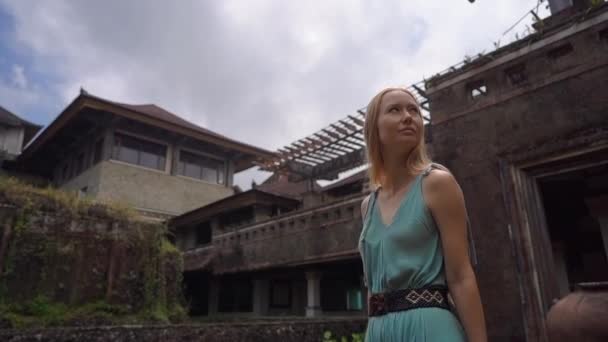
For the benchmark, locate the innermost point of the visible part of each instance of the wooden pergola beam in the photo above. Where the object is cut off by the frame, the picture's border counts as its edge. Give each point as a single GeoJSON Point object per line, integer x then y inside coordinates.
{"type": "Point", "coordinates": [332, 134]}
{"type": "Point", "coordinates": [357, 121]}
{"type": "Point", "coordinates": [340, 129]}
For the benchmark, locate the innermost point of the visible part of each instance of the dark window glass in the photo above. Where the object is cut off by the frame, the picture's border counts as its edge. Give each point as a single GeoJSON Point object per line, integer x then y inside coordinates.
{"type": "Point", "coordinates": [203, 233]}
{"type": "Point", "coordinates": [200, 167]}
{"type": "Point", "coordinates": [280, 294]}
{"type": "Point", "coordinates": [139, 152]}
{"type": "Point", "coordinates": [236, 294]}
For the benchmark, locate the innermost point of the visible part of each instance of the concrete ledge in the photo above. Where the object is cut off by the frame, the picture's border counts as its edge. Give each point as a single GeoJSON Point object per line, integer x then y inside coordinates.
{"type": "Point", "coordinates": [281, 330]}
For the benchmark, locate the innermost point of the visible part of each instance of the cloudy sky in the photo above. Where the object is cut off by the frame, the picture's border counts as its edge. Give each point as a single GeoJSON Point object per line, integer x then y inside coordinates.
{"type": "Point", "coordinates": [266, 72]}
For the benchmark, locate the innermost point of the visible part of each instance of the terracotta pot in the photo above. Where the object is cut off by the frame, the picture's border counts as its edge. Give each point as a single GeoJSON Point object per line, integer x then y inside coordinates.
{"type": "Point", "coordinates": [580, 316]}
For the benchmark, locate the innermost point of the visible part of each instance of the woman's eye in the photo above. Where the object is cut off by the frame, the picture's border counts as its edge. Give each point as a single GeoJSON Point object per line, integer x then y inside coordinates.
{"type": "Point", "coordinates": [413, 109]}
{"type": "Point", "coordinates": [394, 109]}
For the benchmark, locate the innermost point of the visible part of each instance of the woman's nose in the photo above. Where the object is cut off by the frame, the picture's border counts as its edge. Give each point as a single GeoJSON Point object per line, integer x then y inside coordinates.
{"type": "Point", "coordinates": [406, 116]}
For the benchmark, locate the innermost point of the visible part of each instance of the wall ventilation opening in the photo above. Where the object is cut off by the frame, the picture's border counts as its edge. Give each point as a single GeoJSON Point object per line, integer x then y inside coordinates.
{"type": "Point", "coordinates": [517, 74]}
{"type": "Point", "coordinates": [477, 89]}
{"type": "Point", "coordinates": [560, 51]}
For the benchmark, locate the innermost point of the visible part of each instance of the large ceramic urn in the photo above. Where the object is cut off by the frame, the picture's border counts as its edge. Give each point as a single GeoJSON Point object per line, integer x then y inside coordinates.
{"type": "Point", "coordinates": [581, 316]}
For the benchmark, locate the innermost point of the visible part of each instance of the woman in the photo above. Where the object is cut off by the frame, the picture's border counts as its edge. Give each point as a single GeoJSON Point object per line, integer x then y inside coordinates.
{"type": "Point", "coordinates": [414, 239]}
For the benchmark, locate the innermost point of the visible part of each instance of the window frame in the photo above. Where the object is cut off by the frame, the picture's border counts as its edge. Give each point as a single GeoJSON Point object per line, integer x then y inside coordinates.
{"type": "Point", "coordinates": [221, 161]}
{"type": "Point", "coordinates": [114, 157]}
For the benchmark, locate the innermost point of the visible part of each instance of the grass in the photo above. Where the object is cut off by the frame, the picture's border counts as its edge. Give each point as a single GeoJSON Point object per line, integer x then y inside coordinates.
{"type": "Point", "coordinates": [14, 191]}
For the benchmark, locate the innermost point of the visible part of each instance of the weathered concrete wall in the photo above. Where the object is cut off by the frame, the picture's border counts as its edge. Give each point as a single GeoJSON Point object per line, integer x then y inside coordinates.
{"type": "Point", "coordinates": [58, 254]}
{"type": "Point", "coordinates": [90, 179]}
{"type": "Point", "coordinates": [560, 98]}
{"type": "Point", "coordinates": [155, 190]}
{"type": "Point", "coordinates": [300, 331]}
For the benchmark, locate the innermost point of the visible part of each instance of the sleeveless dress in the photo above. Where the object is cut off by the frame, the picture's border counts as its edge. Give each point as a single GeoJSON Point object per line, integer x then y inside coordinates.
{"type": "Point", "coordinates": [406, 254]}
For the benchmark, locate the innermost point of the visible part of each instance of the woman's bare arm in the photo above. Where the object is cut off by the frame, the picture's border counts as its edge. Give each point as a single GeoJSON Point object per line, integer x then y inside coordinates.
{"type": "Point", "coordinates": [364, 205]}
{"type": "Point", "coordinates": [446, 202]}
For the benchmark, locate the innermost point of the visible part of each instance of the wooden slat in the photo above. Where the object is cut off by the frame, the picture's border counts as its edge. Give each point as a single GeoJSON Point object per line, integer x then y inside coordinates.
{"type": "Point", "coordinates": [324, 147]}
{"type": "Point", "coordinates": [331, 134]}
{"type": "Point", "coordinates": [350, 126]}
{"type": "Point", "coordinates": [357, 121]}
{"type": "Point", "coordinates": [420, 91]}
{"type": "Point", "coordinates": [311, 160]}
{"type": "Point", "coordinates": [323, 137]}
{"type": "Point", "coordinates": [340, 129]}
{"type": "Point", "coordinates": [346, 146]}
{"type": "Point", "coordinates": [334, 146]}
{"type": "Point", "coordinates": [356, 142]}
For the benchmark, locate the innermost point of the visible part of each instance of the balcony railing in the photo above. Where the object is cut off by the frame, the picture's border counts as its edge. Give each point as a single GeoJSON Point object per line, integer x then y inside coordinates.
{"type": "Point", "coordinates": [318, 234]}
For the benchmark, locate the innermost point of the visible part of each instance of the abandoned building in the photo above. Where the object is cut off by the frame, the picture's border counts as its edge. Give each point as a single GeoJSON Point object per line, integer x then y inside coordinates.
{"type": "Point", "coordinates": [15, 133]}
{"type": "Point", "coordinates": [140, 155]}
{"type": "Point", "coordinates": [286, 247]}
{"type": "Point", "coordinates": [524, 130]}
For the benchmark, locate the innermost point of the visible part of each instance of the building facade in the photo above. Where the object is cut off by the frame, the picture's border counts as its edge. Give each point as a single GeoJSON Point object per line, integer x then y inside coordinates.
{"type": "Point", "coordinates": [15, 133]}
{"type": "Point", "coordinates": [524, 130]}
{"type": "Point", "coordinates": [140, 155]}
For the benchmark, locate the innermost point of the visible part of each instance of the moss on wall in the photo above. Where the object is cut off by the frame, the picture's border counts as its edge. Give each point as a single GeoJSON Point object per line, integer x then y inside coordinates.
{"type": "Point", "coordinates": [71, 261]}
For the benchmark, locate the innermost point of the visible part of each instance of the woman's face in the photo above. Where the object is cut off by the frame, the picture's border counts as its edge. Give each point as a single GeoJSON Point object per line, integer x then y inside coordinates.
{"type": "Point", "coordinates": [400, 122]}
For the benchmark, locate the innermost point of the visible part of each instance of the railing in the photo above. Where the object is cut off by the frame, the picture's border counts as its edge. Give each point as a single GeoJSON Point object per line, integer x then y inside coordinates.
{"type": "Point", "coordinates": [324, 232]}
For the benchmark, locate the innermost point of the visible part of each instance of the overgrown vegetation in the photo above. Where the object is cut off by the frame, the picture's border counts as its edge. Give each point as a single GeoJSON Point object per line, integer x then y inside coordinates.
{"type": "Point", "coordinates": [73, 261]}
{"type": "Point", "coordinates": [355, 337]}
{"type": "Point", "coordinates": [28, 197]}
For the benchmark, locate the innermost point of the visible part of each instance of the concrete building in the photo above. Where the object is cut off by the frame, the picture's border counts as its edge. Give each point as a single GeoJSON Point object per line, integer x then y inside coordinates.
{"type": "Point", "coordinates": [15, 133]}
{"type": "Point", "coordinates": [524, 129]}
{"type": "Point", "coordinates": [140, 155]}
{"type": "Point", "coordinates": [287, 247]}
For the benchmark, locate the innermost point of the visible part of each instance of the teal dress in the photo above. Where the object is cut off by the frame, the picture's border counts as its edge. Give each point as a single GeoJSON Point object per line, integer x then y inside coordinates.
{"type": "Point", "coordinates": [406, 254]}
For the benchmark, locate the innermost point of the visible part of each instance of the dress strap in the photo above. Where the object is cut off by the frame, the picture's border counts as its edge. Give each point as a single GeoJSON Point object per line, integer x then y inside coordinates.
{"type": "Point", "coordinates": [433, 166]}
{"type": "Point", "coordinates": [370, 204]}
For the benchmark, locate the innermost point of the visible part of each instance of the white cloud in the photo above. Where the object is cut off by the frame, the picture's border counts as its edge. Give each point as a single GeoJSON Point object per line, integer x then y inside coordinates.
{"type": "Point", "coordinates": [266, 72]}
{"type": "Point", "coordinates": [19, 79]}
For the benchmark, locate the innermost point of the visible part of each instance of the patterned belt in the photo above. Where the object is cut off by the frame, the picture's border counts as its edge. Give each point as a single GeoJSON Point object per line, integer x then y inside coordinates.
{"type": "Point", "coordinates": [406, 299]}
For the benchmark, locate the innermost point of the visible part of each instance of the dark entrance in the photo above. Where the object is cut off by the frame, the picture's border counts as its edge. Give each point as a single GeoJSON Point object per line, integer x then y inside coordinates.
{"type": "Point", "coordinates": [572, 203]}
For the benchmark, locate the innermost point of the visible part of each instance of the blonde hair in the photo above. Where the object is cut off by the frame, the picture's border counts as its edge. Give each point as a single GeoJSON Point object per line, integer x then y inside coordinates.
{"type": "Point", "coordinates": [417, 160]}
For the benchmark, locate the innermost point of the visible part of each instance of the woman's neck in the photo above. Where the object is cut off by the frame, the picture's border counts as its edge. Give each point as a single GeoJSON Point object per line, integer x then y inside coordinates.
{"type": "Point", "coordinates": [396, 174]}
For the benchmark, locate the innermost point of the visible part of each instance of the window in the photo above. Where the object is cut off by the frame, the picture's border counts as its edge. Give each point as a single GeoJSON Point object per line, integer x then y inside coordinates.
{"type": "Point", "coordinates": [97, 152]}
{"type": "Point", "coordinates": [603, 35]}
{"type": "Point", "coordinates": [200, 167]}
{"type": "Point", "coordinates": [139, 152]}
{"type": "Point", "coordinates": [517, 74]}
{"type": "Point", "coordinates": [477, 89]}
{"type": "Point", "coordinates": [203, 234]}
{"type": "Point", "coordinates": [235, 294]}
{"type": "Point", "coordinates": [354, 299]}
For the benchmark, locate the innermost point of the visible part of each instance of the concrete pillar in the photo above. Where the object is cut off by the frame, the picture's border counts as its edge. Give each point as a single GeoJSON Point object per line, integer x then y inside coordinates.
{"type": "Point", "coordinates": [313, 279]}
{"type": "Point", "coordinates": [214, 295]}
{"type": "Point", "coordinates": [260, 297]}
